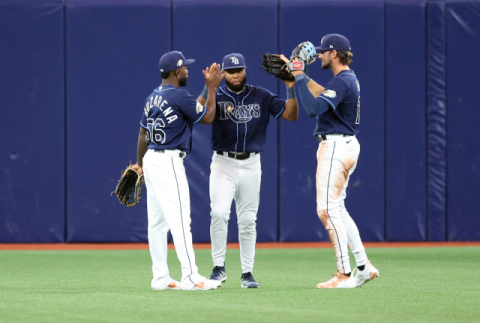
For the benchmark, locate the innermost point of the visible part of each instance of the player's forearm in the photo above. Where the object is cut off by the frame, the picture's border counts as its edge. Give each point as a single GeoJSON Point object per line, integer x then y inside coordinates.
{"type": "Point", "coordinates": [202, 98]}
{"type": "Point", "coordinates": [291, 110]}
{"type": "Point", "coordinates": [210, 105]}
{"type": "Point", "coordinates": [312, 105]}
{"type": "Point", "coordinates": [314, 88]}
{"type": "Point", "coordinates": [142, 146]}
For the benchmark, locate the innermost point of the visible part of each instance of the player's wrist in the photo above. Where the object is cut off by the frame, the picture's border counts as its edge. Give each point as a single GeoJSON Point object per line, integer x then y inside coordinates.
{"type": "Point", "coordinates": [204, 93]}
{"type": "Point", "coordinates": [291, 93]}
{"type": "Point", "coordinates": [299, 76]}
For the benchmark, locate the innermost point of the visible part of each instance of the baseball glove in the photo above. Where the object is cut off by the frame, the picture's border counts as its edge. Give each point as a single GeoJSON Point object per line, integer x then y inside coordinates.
{"type": "Point", "coordinates": [274, 65]}
{"type": "Point", "coordinates": [129, 187]}
{"type": "Point", "coordinates": [305, 52]}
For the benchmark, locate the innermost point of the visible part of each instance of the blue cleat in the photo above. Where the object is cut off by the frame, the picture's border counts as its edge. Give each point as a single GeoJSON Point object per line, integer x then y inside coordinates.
{"type": "Point", "coordinates": [248, 281]}
{"type": "Point", "coordinates": [219, 273]}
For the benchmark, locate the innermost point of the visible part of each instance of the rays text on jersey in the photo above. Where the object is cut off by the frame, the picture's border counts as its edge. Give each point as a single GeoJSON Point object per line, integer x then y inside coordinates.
{"type": "Point", "coordinates": [239, 113]}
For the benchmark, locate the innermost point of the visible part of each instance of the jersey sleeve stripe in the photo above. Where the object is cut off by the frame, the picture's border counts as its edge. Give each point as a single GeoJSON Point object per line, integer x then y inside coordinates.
{"type": "Point", "coordinates": [141, 125]}
{"type": "Point", "coordinates": [280, 113]}
{"type": "Point", "coordinates": [330, 103]}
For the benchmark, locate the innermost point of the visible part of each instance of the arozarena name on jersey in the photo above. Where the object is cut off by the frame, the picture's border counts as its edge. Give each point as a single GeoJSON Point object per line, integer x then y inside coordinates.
{"type": "Point", "coordinates": [158, 103]}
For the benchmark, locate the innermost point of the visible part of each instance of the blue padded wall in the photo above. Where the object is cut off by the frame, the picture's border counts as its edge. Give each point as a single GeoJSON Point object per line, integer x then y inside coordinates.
{"type": "Point", "coordinates": [363, 22]}
{"type": "Point", "coordinates": [77, 72]}
{"type": "Point", "coordinates": [463, 119]}
{"type": "Point", "coordinates": [32, 178]}
{"type": "Point", "coordinates": [207, 30]}
{"type": "Point", "coordinates": [405, 121]}
{"type": "Point", "coordinates": [436, 122]}
{"type": "Point", "coordinates": [113, 48]}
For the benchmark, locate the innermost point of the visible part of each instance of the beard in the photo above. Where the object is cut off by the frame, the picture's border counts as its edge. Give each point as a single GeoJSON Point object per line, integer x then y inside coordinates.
{"type": "Point", "coordinates": [326, 66]}
{"type": "Point", "coordinates": [182, 81]}
{"type": "Point", "coordinates": [237, 88]}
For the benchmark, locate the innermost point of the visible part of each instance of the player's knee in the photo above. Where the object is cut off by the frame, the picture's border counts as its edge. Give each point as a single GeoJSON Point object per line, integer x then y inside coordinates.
{"type": "Point", "coordinates": [324, 217]}
{"type": "Point", "coordinates": [220, 214]}
{"type": "Point", "coordinates": [247, 225]}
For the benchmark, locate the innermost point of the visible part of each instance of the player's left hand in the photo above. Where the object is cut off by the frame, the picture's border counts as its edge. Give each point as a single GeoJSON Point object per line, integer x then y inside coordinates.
{"type": "Point", "coordinates": [288, 83]}
{"type": "Point", "coordinates": [294, 72]}
{"type": "Point", "coordinates": [213, 75]}
{"type": "Point", "coordinates": [137, 168]}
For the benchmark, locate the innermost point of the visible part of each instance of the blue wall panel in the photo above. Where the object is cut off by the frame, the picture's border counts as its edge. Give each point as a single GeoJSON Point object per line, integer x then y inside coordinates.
{"type": "Point", "coordinates": [207, 31]}
{"type": "Point", "coordinates": [463, 119]}
{"type": "Point", "coordinates": [363, 23]}
{"type": "Point", "coordinates": [405, 121]}
{"type": "Point", "coordinates": [436, 122]}
{"type": "Point", "coordinates": [113, 48]}
{"type": "Point", "coordinates": [75, 73]}
{"type": "Point", "coordinates": [32, 176]}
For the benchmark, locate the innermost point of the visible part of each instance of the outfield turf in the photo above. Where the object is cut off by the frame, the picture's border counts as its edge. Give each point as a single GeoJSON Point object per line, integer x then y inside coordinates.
{"type": "Point", "coordinates": [415, 285]}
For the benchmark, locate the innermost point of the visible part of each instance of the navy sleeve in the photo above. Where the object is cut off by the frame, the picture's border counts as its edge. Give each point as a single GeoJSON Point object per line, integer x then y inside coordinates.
{"type": "Point", "coordinates": [192, 109]}
{"type": "Point", "coordinates": [313, 106]}
{"type": "Point", "coordinates": [143, 120]}
{"type": "Point", "coordinates": [334, 92]}
{"type": "Point", "coordinates": [276, 106]}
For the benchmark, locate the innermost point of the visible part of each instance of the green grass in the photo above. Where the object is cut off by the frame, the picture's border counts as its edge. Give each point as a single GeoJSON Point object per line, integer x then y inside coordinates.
{"type": "Point", "coordinates": [415, 285]}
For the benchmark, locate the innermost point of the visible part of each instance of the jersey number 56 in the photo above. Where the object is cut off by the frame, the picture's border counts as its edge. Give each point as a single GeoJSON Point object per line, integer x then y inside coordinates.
{"type": "Point", "coordinates": [155, 134]}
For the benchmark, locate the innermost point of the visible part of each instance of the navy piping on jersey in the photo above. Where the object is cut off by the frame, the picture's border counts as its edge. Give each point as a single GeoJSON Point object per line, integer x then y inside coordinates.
{"type": "Point", "coordinates": [328, 187]}
{"type": "Point", "coordinates": [235, 101]}
{"type": "Point", "coordinates": [181, 220]}
{"type": "Point", "coordinates": [245, 138]}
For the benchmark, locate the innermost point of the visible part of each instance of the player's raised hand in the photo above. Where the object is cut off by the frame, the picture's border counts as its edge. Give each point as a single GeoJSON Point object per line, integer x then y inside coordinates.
{"type": "Point", "coordinates": [288, 83]}
{"type": "Point", "coordinates": [213, 75]}
{"type": "Point", "coordinates": [286, 60]}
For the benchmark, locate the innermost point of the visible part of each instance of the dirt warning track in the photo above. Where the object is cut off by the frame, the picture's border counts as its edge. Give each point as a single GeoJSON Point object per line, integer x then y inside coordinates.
{"type": "Point", "coordinates": [260, 245]}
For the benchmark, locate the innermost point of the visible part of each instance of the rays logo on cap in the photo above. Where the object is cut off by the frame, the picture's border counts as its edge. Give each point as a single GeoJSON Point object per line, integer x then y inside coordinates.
{"type": "Point", "coordinates": [235, 60]}
{"type": "Point", "coordinates": [180, 62]}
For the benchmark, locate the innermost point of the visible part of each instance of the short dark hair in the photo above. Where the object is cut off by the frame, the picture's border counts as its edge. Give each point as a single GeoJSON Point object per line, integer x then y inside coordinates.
{"type": "Point", "coordinates": [165, 75]}
{"type": "Point", "coordinates": [345, 57]}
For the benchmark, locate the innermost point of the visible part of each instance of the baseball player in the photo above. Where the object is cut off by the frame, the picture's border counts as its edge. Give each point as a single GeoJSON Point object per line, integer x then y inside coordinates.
{"type": "Point", "coordinates": [337, 109]}
{"type": "Point", "coordinates": [165, 139]}
{"type": "Point", "coordinates": [238, 136]}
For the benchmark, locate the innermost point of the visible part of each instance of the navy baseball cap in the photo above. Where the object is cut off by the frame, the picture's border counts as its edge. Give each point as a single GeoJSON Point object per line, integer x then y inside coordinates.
{"type": "Point", "coordinates": [334, 42]}
{"type": "Point", "coordinates": [172, 60]}
{"type": "Point", "coordinates": [233, 60]}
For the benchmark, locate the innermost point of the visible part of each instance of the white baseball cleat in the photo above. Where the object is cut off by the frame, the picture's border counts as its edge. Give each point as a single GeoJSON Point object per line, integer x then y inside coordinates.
{"type": "Point", "coordinates": [366, 275]}
{"type": "Point", "coordinates": [172, 285]}
{"type": "Point", "coordinates": [339, 280]}
{"type": "Point", "coordinates": [206, 284]}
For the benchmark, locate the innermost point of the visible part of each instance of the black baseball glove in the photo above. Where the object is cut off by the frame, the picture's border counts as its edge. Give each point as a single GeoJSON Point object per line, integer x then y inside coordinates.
{"type": "Point", "coordinates": [273, 64]}
{"type": "Point", "coordinates": [129, 187]}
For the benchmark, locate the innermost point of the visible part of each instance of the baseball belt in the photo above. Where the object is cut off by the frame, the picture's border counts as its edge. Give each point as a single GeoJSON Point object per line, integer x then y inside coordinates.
{"type": "Point", "coordinates": [321, 138]}
{"type": "Point", "coordinates": [236, 155]}
{"type": "Point", "coordinates": [172, 152]}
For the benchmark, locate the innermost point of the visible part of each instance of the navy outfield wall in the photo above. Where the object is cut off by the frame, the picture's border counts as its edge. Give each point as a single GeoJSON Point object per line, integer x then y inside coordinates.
{"type": "Point", "coordinates": [32, 138]}
{"type": "Point", "coordinates": [74, 76]}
